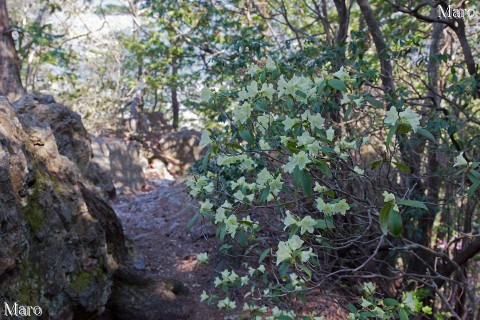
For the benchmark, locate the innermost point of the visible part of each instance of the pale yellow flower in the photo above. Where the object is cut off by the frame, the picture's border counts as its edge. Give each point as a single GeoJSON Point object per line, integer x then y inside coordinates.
{"type": "Point", "coordinates": [307, 224]}
{"type": "Point", "coordinates": [460, 161]}
{"type": "Point", "coordinates": [392, 116]}
{"type": "Point", "coordinates": [289, 220]}
{"type": "Point", "coordinates": [270, 65]}
{"type": "Point", "coordinates": [387, 196]}
{"type": "Point", "coordinates": [409, 117]}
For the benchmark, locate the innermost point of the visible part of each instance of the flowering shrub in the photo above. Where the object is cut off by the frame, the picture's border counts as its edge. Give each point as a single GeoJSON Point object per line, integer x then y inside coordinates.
{"type": "Point", "coordinates": [291, 182]}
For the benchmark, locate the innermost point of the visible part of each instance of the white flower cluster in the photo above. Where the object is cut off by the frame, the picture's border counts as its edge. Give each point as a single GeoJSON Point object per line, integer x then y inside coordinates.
{"type": "Point", "coordinates": [227, 304]}
{"type": "Point", "coordinates": [305, 225]}
{"type": "Point", "coordinates": [245, 161]}
{"type": "Point", "coordinates": [408, 117]}
{"type": "Point", "coordinates": [201, 185]}
{"type": "Point", "coordinates": [286, 249]}
{"type": "Point", "coordinates": [231, 222]}
{"type": "Point", "coordinates": [331, 208]}
{"type": "Point", "coordinates": [276, 119]}
{"type": "Point", "coordinates": [228, 278]}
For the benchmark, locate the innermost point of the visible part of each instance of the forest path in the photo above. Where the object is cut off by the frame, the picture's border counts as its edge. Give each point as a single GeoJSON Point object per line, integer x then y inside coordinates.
{"type": "Point", "coordinates": [155, 221]}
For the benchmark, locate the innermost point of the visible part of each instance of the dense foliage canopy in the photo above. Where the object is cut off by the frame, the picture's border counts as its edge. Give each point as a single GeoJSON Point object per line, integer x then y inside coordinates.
{"type": "Point", "coordinates": [342, 138]}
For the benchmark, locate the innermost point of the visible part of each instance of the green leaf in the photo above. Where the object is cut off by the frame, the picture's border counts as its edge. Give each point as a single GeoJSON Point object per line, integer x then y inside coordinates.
{"type": "Point", "coordinates": [395, 223]}
{"type": "Point", "coordinates": [260, 105]}
{"type": "Point", "coordinates": [321, 224]}
{"type": "Point", "coordinates": [323, 166]}
{"type": "Point", "coordinates": [265, 193]}
{"type": "Point", "coordinates": [375, 164]}
{"type": "Point", "coordinates": [384, 217]}
{"type": "Point", "coordinates": [374, 102]}
{"type": "Point", "coordinates": [293, 231]}
{"type": "Point", "coordinates": [263, 255]}
{"type": "Point", "coordinates": [402, 314]}
{"type": "Point", "coordinates": [307, 183]}
{"type": "Point", "coordinates": [474, 176]}
{"type": "Point", "coordinates": [472, 188]}
{"type": "Point", "coordinates": [347, 113]}
{"type": "Point", "coordinates": [326, 150]}
{"type": "Point", "coordinates": [413, 203]}
{"type": "Point", "coordinates": [192, 221]}
{"type": "Point", "coordinates": [329, 222]}
{"type": "Point", "coordinates": [306, 270]}
{"type": "Point", "coordinates": [262, 76]}
{"type": "Point", "coordinates": [247, 136]}
{"type": "Point", "coordinates": [297, 176]}
{"type": "Point", "coordinates": [367, 315]}
{"type": "Point", "coordinates": [245, 222]}
{"type": "Point", "coordinates": [242, 238]}
{"type": "Point", "coordinates": [282, 270]}
{"type": "Point", "coordinates": [426, 134]}
{"type": "Point", "coordinates": [224, 248]}
{"type": "Point", "coordinates": [223, 231]}
{"type": "Point", "coordinates": [404, 128]}
{"type": "Point", "coordinates": [330, 193]}
{"type": "Point", "coordinates": [403, 167]}
{"type": "Point", "coordinates": [290, 104]}
{"type": "Point", "coordinates": [234, 145]}
{"type": "Point", "coordinates": [205, 159]}
{"type": "Point", "coordinates": [391, 302]}
{"type": "Point", "coordinates": [301, 94]}
{"type": "Point", "coordinates": [352, 308]}
{"type": "Point", "coordinates": [337, 84]}
{"type": "Point", "coordinates": [390, 135]}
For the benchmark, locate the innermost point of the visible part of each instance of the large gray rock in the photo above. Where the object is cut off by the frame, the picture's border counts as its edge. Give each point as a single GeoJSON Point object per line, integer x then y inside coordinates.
{"type": "Point", "coordinates": [61, 246]}
{"type": "Point", "coordinates": [180, 149]}
{"type": "Point", "coordinates": [54, 251]}
{"type": "Point", "coordinates": [72, 139]}
{"type": "Point", "coordinates": [123, 160]}
{"type": "Point", "coordinates": [100, 172]}
{"type": "Point", "coordinates": [37, 110]}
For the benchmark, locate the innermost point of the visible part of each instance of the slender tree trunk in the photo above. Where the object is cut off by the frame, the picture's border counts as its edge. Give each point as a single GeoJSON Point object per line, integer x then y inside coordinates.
{"type": "Point", "coordinates": [386, 67]}
{"type": "Point", "coordinates": [343, 21]}
{"type": "Point", "coordinates": [467, 53]}
{"type": "Point", "coordinates": [175, 103]}
{"type": "Point", "coordinates": [10, 81]}
{"type": "Point", "coordinates": [433, 100]}
{"type": "Point", "coordinates": [339, 43]}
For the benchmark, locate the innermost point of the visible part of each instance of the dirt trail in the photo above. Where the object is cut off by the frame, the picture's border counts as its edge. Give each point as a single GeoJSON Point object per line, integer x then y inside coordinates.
{"type": "Point", "coordinates": [155, 221]}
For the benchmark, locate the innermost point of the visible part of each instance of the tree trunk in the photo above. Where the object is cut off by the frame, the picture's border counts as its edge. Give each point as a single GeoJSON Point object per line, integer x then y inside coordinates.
{"type": "Point", "coordinates": [10, 82]}
{"type": "Point", "coordinates": [373, 27]}
{"type": "Point", "coordinates": [175, 103]}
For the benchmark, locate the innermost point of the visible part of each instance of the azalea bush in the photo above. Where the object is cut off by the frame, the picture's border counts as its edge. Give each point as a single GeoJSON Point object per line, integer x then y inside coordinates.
{"type": "Point", "coordinates": [306, 182]}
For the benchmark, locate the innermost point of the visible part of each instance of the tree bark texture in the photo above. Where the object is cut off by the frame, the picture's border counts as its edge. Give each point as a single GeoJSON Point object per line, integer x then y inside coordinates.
{"type": "Point", "coordinates": [386, 67]}
{"type": "Point", "coordinates": [10, 81]}
{"type": "Point", "coordinates": [175, 103]}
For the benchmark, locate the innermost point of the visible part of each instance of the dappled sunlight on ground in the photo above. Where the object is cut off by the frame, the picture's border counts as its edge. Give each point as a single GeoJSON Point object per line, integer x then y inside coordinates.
{"type": "Point", "coordinates": [155, 220]}
{"type": "Point", "coordinates": [187, 264]}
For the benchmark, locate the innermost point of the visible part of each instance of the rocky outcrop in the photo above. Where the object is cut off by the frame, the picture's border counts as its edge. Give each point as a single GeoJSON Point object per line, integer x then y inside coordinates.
{"type": "Point", "coordinates": [177, 150]}
{"type": "Point", "coordinates": [37, 110]}
{"type": "Point", "coordinates": [127, 164]}
{"type": "Point", "coordinates": [181, 148]}
{"type": "Point", "coordinates": [62, 247]}
{"type": "Point", "coordinates": [123, 160]}
{"type": "Point", "coordinates": [54, 249]}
